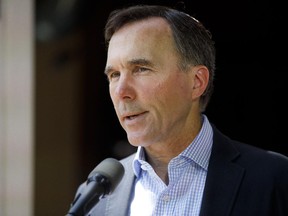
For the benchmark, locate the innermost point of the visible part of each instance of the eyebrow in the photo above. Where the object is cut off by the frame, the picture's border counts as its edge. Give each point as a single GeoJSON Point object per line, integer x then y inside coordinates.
{"type": "Point", "coordinates": [138, 61]}
{"type": "Point", "coordinates": [107, 70]}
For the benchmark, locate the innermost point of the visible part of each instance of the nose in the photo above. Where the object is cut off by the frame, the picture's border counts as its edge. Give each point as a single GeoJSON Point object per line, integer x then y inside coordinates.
{"type": "Point", "coordinates": [123, 88]}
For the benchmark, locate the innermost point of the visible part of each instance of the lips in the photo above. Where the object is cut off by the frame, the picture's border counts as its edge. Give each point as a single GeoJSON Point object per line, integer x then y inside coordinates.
{"type": "Point", "coordinates": [133, 116]}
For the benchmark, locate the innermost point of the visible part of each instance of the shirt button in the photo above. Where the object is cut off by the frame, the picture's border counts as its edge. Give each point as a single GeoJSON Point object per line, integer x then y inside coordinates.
{"type": "Point", "coordinates": [166, 198]}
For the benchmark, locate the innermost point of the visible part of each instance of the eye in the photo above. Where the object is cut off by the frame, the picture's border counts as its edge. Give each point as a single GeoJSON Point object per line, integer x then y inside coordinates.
{"type": "Point", "coordinates": [141, 69]}
{"type": "Point", "coordinates": [113, 75]}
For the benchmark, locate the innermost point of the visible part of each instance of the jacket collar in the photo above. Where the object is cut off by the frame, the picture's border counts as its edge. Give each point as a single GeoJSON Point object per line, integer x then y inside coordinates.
{"type": "Point", "coordinates": [223, 178]}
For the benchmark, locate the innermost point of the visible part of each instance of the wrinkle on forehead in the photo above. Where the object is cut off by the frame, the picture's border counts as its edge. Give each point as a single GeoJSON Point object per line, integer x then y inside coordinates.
{"type": "Point", "coordinates": [149, 39]}
{"type": "Point", "coordinates": [155, 27]}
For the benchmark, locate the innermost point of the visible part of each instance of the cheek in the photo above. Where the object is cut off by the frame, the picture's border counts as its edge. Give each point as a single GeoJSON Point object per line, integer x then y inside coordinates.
{"type": "Point", "coordinates": [158, 90]}
{"type": "Point", "coordinates": [170, 95]}
{"type": "Point", "coordinates": [175, 88]}
{"type": "Point", "coordinates": [113, 97]}
{"type": "Point", "coordinates": [111, 93]}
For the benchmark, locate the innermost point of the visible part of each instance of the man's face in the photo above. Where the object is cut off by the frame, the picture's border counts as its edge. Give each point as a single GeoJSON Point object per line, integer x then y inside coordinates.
{"type": "Point", "coordinates": [151, 96]}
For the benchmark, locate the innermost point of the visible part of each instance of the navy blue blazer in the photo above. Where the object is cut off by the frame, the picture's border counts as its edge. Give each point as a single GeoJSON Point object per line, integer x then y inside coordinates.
{"type": "Point", "coordinates": [242, 180]}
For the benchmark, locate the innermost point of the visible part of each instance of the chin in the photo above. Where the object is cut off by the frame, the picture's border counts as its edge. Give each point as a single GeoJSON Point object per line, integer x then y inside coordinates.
{"type": "Point", "coordinates": [136, 141]}
{"type": "Point", "coordinates": [137, 144]}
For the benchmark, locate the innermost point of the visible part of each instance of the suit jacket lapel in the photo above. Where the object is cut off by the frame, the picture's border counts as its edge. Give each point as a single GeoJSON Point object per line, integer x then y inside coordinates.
{"type": "Point", "coordinates": [223, 178]}
{"type": "Point", "coordinates": [119, 201]}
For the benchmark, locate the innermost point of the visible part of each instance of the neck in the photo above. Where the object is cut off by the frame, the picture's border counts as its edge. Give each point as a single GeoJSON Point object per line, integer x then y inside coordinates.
{"type": "Point", "coordinates": [159, 155]}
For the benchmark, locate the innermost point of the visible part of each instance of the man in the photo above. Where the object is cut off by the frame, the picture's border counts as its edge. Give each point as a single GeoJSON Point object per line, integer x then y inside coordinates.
{"type": "Point", "coordinates": [160, 67]}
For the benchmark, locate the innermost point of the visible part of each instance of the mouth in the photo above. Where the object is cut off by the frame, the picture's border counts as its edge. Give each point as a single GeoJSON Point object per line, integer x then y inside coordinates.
{"type": "Point", "coordinates": [133, 116]}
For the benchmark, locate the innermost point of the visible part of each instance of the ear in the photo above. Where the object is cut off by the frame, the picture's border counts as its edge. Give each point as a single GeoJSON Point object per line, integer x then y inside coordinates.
{"type": "Point", "coordinates": [201, 79]}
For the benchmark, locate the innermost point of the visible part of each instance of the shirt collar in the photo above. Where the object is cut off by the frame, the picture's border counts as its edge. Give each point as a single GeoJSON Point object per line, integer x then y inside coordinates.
{"type": "Point", "coordinates": [198, 151]}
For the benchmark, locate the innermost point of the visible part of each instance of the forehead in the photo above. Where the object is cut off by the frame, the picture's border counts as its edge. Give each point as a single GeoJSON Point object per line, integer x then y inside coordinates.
{"type": "Point", "coordinates": [149, 35]}
{"type": "Point", "coordinates": [152, 28]}
{"type": "Point", "coordinates": [157, 24]}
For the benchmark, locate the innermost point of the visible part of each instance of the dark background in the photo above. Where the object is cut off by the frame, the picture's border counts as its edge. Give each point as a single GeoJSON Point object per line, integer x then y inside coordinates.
{"type": "Point", "coordinates": [249, 101]}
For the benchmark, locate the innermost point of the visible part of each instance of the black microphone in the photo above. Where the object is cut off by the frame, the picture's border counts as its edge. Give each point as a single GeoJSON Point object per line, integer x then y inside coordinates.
{"type": "Point", "coordinates": [101, 181]}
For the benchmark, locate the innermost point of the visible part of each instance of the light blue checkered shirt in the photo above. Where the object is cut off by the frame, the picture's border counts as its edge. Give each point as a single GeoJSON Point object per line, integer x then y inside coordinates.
{"type": "Point", "coordinates": [187, 174]}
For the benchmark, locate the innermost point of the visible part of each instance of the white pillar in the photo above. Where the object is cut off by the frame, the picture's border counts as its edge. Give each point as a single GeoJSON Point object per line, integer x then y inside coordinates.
{"type": "Point", "coordinates": [16, 107]}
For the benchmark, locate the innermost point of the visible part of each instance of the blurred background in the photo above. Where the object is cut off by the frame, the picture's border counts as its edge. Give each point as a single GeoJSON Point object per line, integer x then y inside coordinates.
{"type": "Point", "coordinates": [56, 118]}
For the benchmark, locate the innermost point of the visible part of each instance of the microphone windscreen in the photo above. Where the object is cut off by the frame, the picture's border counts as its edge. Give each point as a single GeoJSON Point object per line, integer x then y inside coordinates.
{"type": "Point", "coordinates": [112, 169]}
